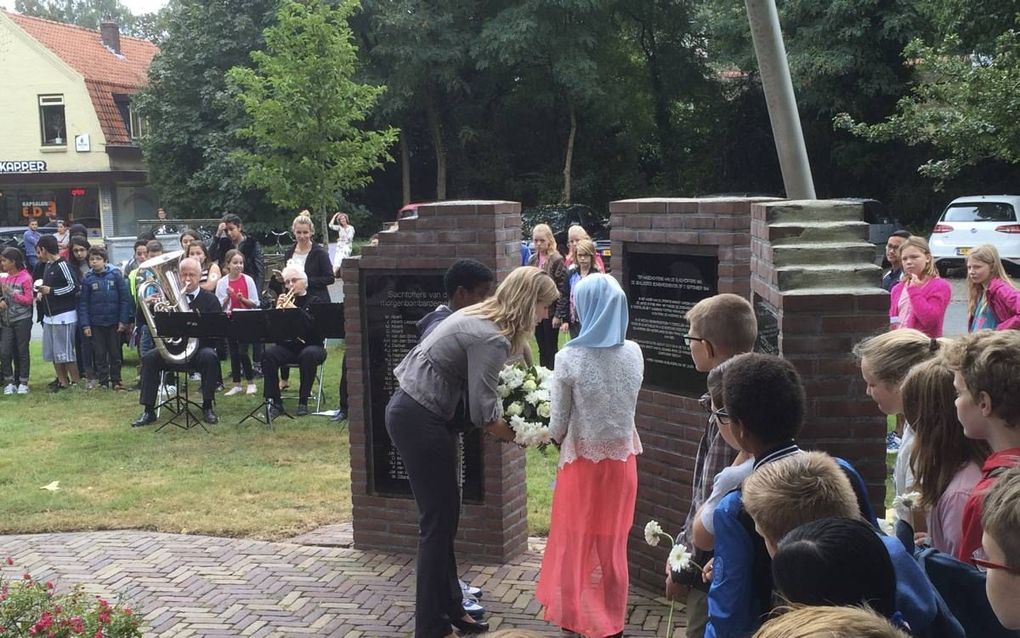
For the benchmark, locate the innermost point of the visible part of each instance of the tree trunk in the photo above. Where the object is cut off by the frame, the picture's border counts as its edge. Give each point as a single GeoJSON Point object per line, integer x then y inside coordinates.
{"type": "Point", "coordinates": [568, 163]}
{"type": "Point", "coordinates": [405, 170]}
{"type": "Point", "coordinates": [436, 130]}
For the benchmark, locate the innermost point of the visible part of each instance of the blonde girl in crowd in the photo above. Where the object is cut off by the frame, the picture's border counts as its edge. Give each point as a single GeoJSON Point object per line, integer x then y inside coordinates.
{"type": "Point", "coordinates": [585, 265]}
{"type": "Point", "coordinates": [309, 257]}
{"type": "Point", "coordinates": [920, 299]}
{"type": "Point", "coordinates": [993, 301]}
{"type": "Point", "coordinates": [463, 354]}
{"type": "Point", "coordinates": [237, 292]}
{"type": "Point", "coordinates": [885, 361]}
{"type": "Point", "coordinates": [575, 234]}
{"type": "Point", "coordinates": [829, 622]}
{"type": "Point", "coordinates": [344, 241]}
{"type": "Point", "coordinates": [548, 259]}
{"type": "Point", "coordinates": [946, 464]}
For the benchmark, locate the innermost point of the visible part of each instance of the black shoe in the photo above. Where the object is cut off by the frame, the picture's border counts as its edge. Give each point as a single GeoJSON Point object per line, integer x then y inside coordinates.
{"type": "Point", "coordinates": [146, 418]}
{"type": "Point", "coordinates": [469, 626]}
{"type": "Point", "coordinates": [209, 416]}
{"type": "Point", "coordinates": [54, 384]}
{"type": "Point", "coordinates": [339, 416]}
{"type": "Point", "coordinates": [273, 409]}
{"type": "Point", "coordinates": [302, 409]}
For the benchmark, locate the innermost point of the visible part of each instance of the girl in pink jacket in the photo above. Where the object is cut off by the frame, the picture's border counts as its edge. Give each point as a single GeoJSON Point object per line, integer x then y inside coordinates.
{"type": "Point", "coordinates": [994, 302]}
{"type": "Point", "coordinates": [920, 300]}
{"type": "Point", "coordinates": [16, 302]}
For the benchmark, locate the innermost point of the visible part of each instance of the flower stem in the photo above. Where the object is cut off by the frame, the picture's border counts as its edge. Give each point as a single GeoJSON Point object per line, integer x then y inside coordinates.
{"type": "Point", "coordinates": [669, 622]}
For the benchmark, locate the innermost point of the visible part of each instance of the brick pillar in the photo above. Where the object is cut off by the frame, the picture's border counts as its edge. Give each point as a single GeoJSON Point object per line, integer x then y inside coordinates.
{"type": "Point", "coordinates": [812, 266]}
{"type": "Point", "coordinates": [671, 423]}
{"type": "Point", "coordinates": [496, 528]}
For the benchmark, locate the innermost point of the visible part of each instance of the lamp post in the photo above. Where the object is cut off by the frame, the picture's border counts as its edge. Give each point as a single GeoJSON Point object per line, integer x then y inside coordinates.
{"type": "Point", "coordinates": [779, 97]}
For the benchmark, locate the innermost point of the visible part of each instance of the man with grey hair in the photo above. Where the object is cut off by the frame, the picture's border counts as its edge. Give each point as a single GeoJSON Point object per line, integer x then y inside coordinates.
{"type": "Point", "coordinates": [204, 361]}
{"type": "Point", "coordinates": [307, 350]}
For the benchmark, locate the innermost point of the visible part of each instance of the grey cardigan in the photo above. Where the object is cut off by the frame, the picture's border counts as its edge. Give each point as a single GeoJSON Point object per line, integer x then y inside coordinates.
{"type": "Point", "coordinates": [462, 355]}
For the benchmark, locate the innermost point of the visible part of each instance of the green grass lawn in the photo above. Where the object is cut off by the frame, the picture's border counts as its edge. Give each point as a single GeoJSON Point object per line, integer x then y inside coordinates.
{"type": "Point", "coordinates": [248, 480]}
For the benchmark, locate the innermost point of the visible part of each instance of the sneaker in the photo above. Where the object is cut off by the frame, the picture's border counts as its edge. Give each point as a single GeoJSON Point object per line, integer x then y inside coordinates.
{"type": "Point", "coordinates": [54, 384]}
{"type": "Point", "coordinates": [91, 384]}
{"type": "Point", "coordinates": [470, 590]}
{"type": "Point", "coordinates": [251, 389]}
{"type": "Point", "coordinates": [232, 391]}
{"type": "Point", "coordinates": [23, 388]}
{"type": "Point", "coordinates": [472, 607]}
{"type": "Point", "coordinates": [339, 416]}
{"type": "Point", "coordinates": [302, 409]}
{"type": "Point", "coordinates": [194, 376]}
{"type": "Point", "coordinates": [9, 389]}
{"type": "Point", "coordinates": [892, 443]}
{"type": "Point", "coordinates": [119, 387]}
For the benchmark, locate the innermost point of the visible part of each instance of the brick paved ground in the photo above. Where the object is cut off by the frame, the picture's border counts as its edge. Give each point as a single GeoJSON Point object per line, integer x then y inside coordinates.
{"type": "Point", "coordinates": [313, 585]}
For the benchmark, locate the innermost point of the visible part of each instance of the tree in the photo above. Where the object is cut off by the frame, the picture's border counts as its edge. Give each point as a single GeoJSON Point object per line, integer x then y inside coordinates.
{"type": "Point", "coordinates": [89, 13]}
{"type": "Point", "coordinates": [304, 110]}
{"type": "Point", "coordinates": [191, 117]}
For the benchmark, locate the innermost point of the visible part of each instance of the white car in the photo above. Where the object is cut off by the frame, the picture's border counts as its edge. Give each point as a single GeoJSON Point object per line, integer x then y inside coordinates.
{"type": "Point", "coordinates": [971, 221]}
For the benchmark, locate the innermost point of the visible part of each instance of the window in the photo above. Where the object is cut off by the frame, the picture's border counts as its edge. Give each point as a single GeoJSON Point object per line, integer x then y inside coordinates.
{"type": "Point", "coordinates": [980, 212]}
{"type": "Point", "coordinates": [138, 124]}
{"type": "Point", "coordinates": [51, 120]}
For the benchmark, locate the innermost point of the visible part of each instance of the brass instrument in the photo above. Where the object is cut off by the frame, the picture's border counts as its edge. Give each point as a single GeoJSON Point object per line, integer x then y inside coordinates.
{"type": "Point", "coordinates": [164, 283]}
{"type": "Point", "coordinates": [286, 300]}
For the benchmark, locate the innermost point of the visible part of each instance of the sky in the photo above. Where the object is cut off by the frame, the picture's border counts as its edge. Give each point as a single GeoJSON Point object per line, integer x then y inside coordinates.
{"type": "Point", "coordinates": [137, 6]}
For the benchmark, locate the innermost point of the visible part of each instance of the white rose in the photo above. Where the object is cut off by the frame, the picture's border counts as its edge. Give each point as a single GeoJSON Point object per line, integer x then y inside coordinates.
{"type": "Point", "coordinates": [529, 386]}
{"type": "Point", "coordinates": [543, 410]}
{"type": "Point", "coordinates": [503, 391]}
{"type": "Point", "coordinates": [514, 408]}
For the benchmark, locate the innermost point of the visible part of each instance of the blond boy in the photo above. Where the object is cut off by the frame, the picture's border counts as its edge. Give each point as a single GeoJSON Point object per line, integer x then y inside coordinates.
{"type": "Point", "coordinates": [1001, 545]}
{"type": "Point", "coordinates": [720, 327]}
{"type": "Point", "coordinates": [987, 381]}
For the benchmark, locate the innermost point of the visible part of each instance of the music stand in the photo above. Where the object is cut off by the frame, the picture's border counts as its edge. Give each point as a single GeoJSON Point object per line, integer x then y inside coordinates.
{"type": "Point", "coordinates": [328, 320]}
{"type": "Point", "coordinates": [267, 326]}
{"type": "Point", "coordinates": [185, 325]}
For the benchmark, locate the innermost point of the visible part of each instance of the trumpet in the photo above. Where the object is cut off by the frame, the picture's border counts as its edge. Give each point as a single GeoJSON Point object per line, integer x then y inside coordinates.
{"type": "Point", "coordinates": [286, 300]}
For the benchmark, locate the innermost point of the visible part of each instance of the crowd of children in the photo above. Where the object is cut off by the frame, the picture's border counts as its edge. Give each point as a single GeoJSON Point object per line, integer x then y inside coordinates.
{"type": "Point", "coordinates": [792, 534]}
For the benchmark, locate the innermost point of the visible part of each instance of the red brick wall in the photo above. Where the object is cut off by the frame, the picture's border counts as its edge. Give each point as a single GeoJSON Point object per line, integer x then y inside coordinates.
{"type": "Point", "coordinates": [671, 425]}
{"type": "Point", "coordinates": [490, 232]}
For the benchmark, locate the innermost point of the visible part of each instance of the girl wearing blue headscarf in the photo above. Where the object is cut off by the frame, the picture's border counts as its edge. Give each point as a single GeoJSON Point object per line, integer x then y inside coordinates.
{"type": "Point", "coordinates": [584, 577]}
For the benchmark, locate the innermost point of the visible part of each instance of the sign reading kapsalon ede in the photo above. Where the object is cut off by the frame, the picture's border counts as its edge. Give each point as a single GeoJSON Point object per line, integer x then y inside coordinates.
{"type": "Point", "coordinates": [27, 166]}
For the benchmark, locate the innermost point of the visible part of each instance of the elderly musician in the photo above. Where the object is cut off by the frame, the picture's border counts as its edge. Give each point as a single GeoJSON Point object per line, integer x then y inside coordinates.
{"type": "Point", "coordinates": [306, 350]}
{"type": "Point", "coordinates": [204, 361]}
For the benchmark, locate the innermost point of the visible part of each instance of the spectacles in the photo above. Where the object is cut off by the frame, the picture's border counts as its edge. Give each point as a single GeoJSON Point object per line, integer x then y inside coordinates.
{"type": "Point", "coordinates": [722, 416]}
{"type": "Point", "coordinates": [984, 565]}
{"type": "Point", "coordinates": [688, 339]}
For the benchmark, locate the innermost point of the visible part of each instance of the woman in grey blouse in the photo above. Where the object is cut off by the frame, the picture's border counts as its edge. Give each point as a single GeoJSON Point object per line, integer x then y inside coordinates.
{"type": "Point", "coordinates": [460, 359]}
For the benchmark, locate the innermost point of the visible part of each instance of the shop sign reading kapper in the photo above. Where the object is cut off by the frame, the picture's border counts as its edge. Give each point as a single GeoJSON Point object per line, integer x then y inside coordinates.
{"type": "Point", "coordinates": [28, 166]}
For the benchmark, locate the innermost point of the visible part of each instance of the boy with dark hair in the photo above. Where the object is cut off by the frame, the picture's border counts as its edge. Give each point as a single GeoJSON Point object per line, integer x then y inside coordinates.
{"type": "Point", "coordinates": [104, 311]}
{"type": "Point", "coordinates": [765, 405]}
{"type": "Point", "coordinates": [987, 383]}
{"type": "Point", "coordinates": [58, 296]}
{"type": "Point", "coordinates": [1001, 544]}
{"type": "Point", "coordinates": [720, 327]}
{"type": "Point", "coordinates": [467, 282]}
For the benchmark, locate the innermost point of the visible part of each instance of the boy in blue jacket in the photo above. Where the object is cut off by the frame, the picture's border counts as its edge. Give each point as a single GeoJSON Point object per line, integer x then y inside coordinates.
{"type": "Point", "coordinates": [104, 311]}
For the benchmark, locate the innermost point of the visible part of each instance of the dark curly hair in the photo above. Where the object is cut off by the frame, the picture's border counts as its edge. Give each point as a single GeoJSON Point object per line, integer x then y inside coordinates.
{"type": "Point", "coordinates": [765, 394]}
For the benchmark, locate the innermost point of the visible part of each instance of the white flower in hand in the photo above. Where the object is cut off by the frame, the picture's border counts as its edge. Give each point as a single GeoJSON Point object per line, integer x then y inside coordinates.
{"type": "Point", "coordinates": [679, 558]}
{"type": "Point", "coordinates": [652, 533]}
{"type": "Point", "coordinates": [909, 501]}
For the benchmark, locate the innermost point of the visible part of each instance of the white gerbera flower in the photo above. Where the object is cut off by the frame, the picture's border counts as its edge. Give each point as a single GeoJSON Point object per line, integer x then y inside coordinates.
{"type": "Point", "coordinates": [652, 533]}
{"type": "Point", "coordinates": [679, 558]}
{"type": "Point", "coordinates": [909, 501]}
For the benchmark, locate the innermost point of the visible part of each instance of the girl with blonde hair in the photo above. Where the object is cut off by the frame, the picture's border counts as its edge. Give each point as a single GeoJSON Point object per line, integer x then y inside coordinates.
{"type": "Point", "coordinates": [993, 300]}
{"type": "Point", "coordinates": [575, 234]}
{"type": "Point", "coordinates": [548, 258]}
{"type": "Point", "coordinates": [946, 464]}
{"type": "Point", "coordinates": [584, 252]}
{"type": "Point", "coordinates": [309, 257]}
{"type": "Point", "coordinates": [462, 356]}
{"type": "Point", "coordinates": [829, 622]}
{"type": "Point", "coordinates": [344, 239]}
{"type": "Point", "coordinates": [921, 298]}
{"type": "Point", "coordinates": [885, 361]}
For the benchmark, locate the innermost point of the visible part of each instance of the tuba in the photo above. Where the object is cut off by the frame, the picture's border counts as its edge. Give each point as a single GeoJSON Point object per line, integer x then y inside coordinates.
{"type": "Point", "coordinates": [163, 281]}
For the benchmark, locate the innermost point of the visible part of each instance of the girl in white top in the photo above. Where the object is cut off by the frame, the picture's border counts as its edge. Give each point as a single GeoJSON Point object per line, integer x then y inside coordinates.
{"type": "Point", "coordinates": [584, 577]}
{"type": "Point", "coordinates": [344, 241]}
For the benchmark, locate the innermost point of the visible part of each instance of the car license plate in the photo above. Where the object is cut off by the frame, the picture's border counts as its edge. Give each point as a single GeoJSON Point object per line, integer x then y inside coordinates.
{"type": "Point", "coordinates": [963, 252]}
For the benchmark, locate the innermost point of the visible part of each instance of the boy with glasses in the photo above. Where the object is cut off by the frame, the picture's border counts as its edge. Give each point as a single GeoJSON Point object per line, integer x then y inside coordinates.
{"type": "Point", "coordinates": [1001, 548]}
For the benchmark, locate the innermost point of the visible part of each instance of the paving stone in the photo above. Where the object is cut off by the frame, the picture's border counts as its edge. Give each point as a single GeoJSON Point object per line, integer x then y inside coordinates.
{"type": "Point", "coordinates": [313, 585]}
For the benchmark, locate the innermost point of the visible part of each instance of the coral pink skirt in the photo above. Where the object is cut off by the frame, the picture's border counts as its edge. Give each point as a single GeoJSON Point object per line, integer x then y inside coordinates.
{"type": "Point", "coordinates": [584, 579]}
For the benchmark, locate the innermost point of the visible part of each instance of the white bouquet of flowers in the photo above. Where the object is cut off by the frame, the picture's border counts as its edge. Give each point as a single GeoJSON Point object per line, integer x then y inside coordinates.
{"type": "Point", "coordinates": [526, 393]}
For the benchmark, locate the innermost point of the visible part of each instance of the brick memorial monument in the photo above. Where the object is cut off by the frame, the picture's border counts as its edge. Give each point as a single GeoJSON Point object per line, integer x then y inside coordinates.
{"type": "Point", "coordinates": [387, 290]}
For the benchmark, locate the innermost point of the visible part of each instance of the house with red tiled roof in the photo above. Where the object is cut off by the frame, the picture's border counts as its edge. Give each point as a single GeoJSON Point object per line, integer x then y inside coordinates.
{"type": "Point", "coordinates": [68, 133]}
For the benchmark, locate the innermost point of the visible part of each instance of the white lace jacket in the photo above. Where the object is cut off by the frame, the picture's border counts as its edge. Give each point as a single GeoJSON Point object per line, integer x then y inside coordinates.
{"type": "Point", "coordinates": [594, 395]}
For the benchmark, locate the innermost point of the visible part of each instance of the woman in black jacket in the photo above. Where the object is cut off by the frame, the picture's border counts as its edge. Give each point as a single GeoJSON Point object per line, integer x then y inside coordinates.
{"type": "Point", "coordinates": [310, 258]}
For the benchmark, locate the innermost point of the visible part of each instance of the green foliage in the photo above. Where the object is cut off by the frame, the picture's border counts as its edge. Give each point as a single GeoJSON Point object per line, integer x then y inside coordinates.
{"type": "Point", "coordinates": [305, 110]}
{"type": "Point", "coordinates": [191, 118]}
{"type": "Point", "coordinates": [31, 608]}
{"type": "Point", "coordinates": [89, 13]}
{"type": "Point", "coordinates": [964, 106]}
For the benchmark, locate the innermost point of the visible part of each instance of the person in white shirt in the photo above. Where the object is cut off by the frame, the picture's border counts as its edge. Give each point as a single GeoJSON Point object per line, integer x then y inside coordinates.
{"type": "Point", "coordinates": [344, 241]}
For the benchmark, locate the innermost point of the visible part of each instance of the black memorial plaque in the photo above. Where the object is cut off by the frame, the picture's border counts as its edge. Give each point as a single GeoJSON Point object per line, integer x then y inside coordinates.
{"type": "Point", "coordinates": [663, 282]}
{"type": "Point", "coordinates": [393, 302]}
{"type": "Point", "coordinates": [768, 327]}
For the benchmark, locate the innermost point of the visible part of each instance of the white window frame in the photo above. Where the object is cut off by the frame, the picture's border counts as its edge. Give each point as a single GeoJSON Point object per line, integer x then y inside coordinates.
{"type": "Point", "coordinates": [138, 124]}
{"type": "Point", "coordinates": [51, 100]}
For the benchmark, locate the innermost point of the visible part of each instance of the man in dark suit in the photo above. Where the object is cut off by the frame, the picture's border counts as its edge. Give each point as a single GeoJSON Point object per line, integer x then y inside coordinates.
{"type": "Point", "coordinates": [204, 361]}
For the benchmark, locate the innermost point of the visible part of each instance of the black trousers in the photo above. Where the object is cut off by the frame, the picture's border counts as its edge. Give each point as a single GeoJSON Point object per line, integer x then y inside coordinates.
{"type": "Point", "coordinates": [14, 341]}
{"type": "Point", "coordinates": [343, 405]}
{"type": "Point", "coordinates": [428, 447]}
{"type": "Point", "coordinates": [548, 339]}
{"type": "Point", "coordinates": [278, 355]}
{"type": "Point", "coordinates": [106, 353]}
{"type": "Point", "coordinates": [240, 362]}
{"type": "Point", "coordinates": [204, 362]}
